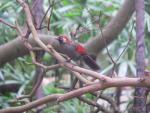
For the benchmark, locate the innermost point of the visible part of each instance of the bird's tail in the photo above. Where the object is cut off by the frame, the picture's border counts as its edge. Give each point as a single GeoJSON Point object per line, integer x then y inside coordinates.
{"type": "Point", "coordinates": [90, 61]}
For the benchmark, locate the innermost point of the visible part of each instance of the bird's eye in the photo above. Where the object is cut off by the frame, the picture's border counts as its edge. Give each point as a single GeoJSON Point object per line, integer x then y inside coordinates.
{"type": "Point", "coordinates": [60, 39]}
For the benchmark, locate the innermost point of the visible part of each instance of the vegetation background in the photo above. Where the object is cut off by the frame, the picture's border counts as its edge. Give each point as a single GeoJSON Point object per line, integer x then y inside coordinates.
{"type": "Point", "coordinates": [66, 18]}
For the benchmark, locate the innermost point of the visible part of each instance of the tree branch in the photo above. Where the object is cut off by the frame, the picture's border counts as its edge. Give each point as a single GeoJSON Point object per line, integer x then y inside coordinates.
{"type": "Point", "coordinates": [15, 48]}
{"type": "Point", "coordinates": [111, 82]}
{"type": "Point", "coordinates": [111, 31]}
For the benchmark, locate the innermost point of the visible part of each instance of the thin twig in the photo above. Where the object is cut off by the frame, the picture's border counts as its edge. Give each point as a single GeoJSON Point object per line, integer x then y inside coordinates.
{"type": "Point", "coordinates": [105, 42]}
{"type": "Point", "coordinates": [47, 12]}
{"type": "Point", "coordinates": [8, 24]}
{"type": "Point", "coordinates": [129, 40]}
{"type": "Point", "coordinates": [52, 7]}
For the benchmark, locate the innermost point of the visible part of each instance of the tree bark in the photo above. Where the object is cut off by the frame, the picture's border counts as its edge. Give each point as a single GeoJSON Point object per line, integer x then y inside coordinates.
{"type": "Point", "coordinates": [15, 48]}
{"type": "Point", "coordinates": [111, 31]}
{"type": "Point", "coordinates": [140, 93]}
{"type": "Point", "coordinates": [38, 14]}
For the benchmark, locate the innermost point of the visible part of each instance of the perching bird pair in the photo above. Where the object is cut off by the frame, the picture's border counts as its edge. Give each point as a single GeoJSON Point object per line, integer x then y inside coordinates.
{"type": "Point", "coordinates": [76, 51]}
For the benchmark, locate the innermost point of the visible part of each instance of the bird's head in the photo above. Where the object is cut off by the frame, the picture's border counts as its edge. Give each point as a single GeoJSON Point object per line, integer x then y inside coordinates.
{"type": "Point", "coordinates": [63, 39]}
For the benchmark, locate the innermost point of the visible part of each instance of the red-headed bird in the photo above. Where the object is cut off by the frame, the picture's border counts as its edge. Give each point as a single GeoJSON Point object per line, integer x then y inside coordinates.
{"type": "Point", "coordinates": [76, 51]}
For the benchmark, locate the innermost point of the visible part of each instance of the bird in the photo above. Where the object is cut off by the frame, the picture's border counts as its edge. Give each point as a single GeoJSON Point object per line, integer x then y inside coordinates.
{"type": "Point", "coordinates": [76, 51]}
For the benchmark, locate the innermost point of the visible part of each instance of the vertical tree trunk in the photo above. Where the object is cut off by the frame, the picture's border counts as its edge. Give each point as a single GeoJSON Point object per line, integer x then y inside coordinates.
{"type": "Point", "coordinates": [38, 13]}
{"type": "Point", "coordinates": [140, 93]}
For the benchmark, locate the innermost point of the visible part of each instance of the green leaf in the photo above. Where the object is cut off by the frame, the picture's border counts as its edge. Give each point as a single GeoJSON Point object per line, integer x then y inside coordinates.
{"type": "Point", "coordinates": [52, 90]}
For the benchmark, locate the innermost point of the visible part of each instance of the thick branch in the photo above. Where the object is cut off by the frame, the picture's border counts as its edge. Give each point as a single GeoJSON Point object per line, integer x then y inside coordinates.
{"type": "Point", "coordinates": [111, 82]}
{"type": "Point", "coordinates": [16, 48]}
{"type": "Point", "coordinates": [111, 31]}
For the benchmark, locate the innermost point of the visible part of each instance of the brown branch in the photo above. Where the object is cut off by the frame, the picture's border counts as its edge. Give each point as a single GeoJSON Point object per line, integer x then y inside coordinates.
{"type": "Point", "coordinates": [8, 54]}
{"type": "Point", "coordinates": [69, 66]}
{"type": "Point", "coordinates": [42, 69]}
{"type": "Point", "coordinates": [49, 20]}
{"type": "Point", "coordinates": [31, 105]}
{"type": "Point", "coordinates": [15, 48]}
{"type": "Point", "coordinates": [111, 31]}
{"type": "Point", "coordinates": [140, 92]}
{"type": "Point", "coordinates": [86, 72]}
{"type": "Point", "coordinates": [111, 82]}
{"type": "Point", "coordinates": [41, 66]}
{"type": "Point", "coordinates": [51, 5]}
{"type": "Point", "coordinates": [36, 86]}
{"type": "Point", "coordinates": [49, 47]}
{"type": "Point", "coordinates": [6, 23]}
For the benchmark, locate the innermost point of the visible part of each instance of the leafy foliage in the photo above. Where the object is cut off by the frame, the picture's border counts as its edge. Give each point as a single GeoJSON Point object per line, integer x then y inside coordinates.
{"type": "Point", "coordinates": [67, 17]}
{"type": "Point", "coordinates": [71, 106]}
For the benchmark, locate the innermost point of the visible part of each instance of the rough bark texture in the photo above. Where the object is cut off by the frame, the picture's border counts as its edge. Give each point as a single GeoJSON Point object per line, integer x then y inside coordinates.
{"type": "Point", "coordinates": [111, 82]}
{"type": "Point", "coordinates": [140, 93]}
{"type": "Point", "coordinates": [111, 31]}
{"type": "Point", "coordinates": [15, 48]}
{"type": "Point", "coordinates": [38, 14]}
